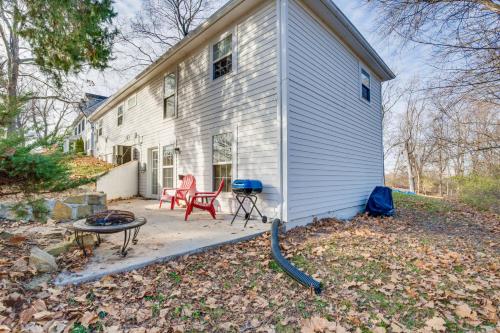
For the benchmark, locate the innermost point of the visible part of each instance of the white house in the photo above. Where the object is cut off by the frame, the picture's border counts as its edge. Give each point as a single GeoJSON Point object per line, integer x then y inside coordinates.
{"type": "Point", "coordinates": [81, 126]}
{"type": "Point", "coordinates": [284, 91]}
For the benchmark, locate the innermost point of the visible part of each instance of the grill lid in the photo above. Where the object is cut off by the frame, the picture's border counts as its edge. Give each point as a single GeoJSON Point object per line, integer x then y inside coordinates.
{"type": "Point", "coordinates": [110, 217]}
{"type": "Point", "coordinates": [246, 186]}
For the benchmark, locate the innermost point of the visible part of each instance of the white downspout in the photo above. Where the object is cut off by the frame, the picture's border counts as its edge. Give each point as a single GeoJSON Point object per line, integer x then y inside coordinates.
{"type": "Point", "coordinates": [282, 9]}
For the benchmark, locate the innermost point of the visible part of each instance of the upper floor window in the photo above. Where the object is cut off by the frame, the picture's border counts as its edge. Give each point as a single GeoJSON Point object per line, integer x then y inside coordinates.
{"type": "Point", "coordinates": [169, 86]}
{"type": "Point", "coordinates": [222, 160]}
{"type": "Point", "coordinates": [120, 115]}
{"type": "Point", "coordinates": [365, 85]}
{"type": "Point", "coordinates": [99, 128]}
{"type": "Point", "coordinates": [222, 57]}
{"type": "Point", "coordinates": [83, 125]}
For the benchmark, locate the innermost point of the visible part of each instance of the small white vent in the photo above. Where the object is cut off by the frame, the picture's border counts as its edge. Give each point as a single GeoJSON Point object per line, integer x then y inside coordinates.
{"type": "Point", "coordinates": [132, 101]}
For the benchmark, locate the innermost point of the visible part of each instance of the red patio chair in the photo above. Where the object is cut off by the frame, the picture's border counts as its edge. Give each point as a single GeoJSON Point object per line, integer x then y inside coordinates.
{"type": "Point", "coordinates": [188, 185]}
{"type": "Point", "coordinates": [203, 201]}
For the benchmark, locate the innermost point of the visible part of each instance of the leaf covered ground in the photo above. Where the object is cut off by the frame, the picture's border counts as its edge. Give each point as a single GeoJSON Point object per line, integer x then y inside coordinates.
{"type": "Point", "coordinates": [427, 269]}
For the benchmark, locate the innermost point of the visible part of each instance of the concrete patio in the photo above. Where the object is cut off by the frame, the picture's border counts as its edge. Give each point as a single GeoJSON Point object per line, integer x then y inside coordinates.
{"type": "Point", "coordinates": [164, 237]}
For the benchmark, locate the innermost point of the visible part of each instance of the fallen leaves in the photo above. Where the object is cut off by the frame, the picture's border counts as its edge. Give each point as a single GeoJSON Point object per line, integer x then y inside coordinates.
{"type": "Point", "coordinates": [436, 324]}
{"type": "Point", "coordinates": [318, 325]}
{"type": "Point", "coordinates": [392, 275]}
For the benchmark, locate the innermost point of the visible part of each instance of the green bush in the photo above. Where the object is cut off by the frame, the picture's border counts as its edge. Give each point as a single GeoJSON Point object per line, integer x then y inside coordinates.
{"type": "Point", "coordinates": [39, 209]}
{"type": "Point", "coordinates": [79, 146]}
{"type": "Point", "coordinates": [21, 211]}
{"type": "Point", "coordinates": [30, 168]}
{"type": "Point", "coordinates": [481, 192]}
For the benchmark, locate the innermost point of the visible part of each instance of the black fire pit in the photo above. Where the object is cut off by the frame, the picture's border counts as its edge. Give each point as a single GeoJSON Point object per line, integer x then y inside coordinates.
{"type": "Point", "coordinates": [109, 222]}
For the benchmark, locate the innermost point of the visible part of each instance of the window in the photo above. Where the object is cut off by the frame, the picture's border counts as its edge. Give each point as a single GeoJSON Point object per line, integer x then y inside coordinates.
{"type": "Point", "coordinates": [120, 115]}
{"type": "Point", "coordinates": [169, 96]}
{"type": "Point", "coordinates": [83, 125]}
{"type": "Point", "coordinates": [76, 130]}
{"type": "Point", "coordinates": [99, 128]}
{"type": "Point", "coordinates": [168, 166]}
{"type": "Point", "coordinates": [222, 57]}
{"type": "Point", "coordinates": [365, 85]}
{"type": "Point", "coordinates": [222, 160]}
{"type": "Point", "coordinates": [132, 101]}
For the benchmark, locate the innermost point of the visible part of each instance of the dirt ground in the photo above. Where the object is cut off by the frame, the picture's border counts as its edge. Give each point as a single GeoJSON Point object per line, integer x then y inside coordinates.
{"type": "Point", "coordinates": [428, 269]}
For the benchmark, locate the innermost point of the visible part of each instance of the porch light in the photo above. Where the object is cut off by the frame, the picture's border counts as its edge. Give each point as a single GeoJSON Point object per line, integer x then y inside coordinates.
{"type": "Point", "coordinates": [177, 150]}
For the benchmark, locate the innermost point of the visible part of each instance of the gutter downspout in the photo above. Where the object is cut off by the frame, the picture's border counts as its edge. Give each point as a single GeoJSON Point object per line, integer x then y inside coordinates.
{"type": "Point", "coordinates": [282, 8]}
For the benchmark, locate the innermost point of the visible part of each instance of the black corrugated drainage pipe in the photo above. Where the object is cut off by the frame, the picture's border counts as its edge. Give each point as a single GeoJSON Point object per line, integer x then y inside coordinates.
{"type": "Point", "coordinates": [291, 270]}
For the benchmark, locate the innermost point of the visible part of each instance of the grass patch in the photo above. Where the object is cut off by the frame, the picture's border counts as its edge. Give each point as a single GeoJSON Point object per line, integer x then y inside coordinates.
{"type": "Point", "coordinates": [418, 202]}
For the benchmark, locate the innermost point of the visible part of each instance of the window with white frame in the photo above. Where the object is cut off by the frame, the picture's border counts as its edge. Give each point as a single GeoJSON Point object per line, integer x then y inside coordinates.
{"type": "Point", "coordinates": [168, 166]}
{"type": "Point", "coordinates": [222, 160]}
{"type": "Point", "coordinates": [222, 57]}
{"type": "Point", "coordinates": [365, 85]}
{"type": "Point", "coordinates": [99, 128]}
{"type": "Point", "coordinates": [83, 125]}
{"type": "Point", "coordinates": [132, 101]}
{"type": "Point", "coordinates": [119, 114]}
{"type": "Point", "coordinates": [169, 86]}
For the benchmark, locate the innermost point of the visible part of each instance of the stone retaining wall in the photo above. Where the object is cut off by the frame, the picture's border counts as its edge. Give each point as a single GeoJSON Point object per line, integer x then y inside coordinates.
{"type": "Point", "coordinates": [71, 208]}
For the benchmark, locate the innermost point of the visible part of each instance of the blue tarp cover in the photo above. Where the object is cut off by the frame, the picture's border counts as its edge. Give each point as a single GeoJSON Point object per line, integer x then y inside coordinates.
{"type": "Point", "coordinates": [380, 202]}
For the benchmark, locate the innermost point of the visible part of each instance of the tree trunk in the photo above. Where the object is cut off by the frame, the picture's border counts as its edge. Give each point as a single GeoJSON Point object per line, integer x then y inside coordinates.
{"type": "Point", "coordinates": [409, 168]}
{"type": "Point", "coordinates": [12, 79]}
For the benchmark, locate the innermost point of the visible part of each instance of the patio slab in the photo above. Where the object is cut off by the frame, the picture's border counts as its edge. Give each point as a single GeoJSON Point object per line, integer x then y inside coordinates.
{"type": "Point", "coordinates": [164, 237]}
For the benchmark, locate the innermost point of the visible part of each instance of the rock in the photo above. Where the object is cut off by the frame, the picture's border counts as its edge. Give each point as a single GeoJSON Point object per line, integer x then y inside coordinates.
{"type": "Point", "coordinates": [61, 212]}
{"type": "Point", "coordinates": [59, 248]}
{"type": "Point", "coordinates": [97, 198]}
{"type": "Point", "coordinates": [89, 240]}
{"type": "Point", "coordinates": [20, 265]}
{"type": "Point", "coordinates": [76, 199]}
{"type": "Point", "coordinates": [42, 261]}
{"type": "Point", "coordinates": [83, 211]}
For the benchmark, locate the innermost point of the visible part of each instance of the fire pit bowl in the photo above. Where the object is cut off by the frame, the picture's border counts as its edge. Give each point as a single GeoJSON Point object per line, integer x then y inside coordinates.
{"type": "Point", "coordinates": [109, 222]}
{"type": "Point", "coordinates": [110, 217]}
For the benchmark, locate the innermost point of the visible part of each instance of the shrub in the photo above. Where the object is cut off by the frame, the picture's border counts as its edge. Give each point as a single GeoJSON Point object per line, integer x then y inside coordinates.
{"type": "Point", "coordinates": [39, 209]}
{"type": "Point", "coordinates": [21, 211]}
{"type": "Point", "coordinates": [30, 168]}
{"type": "Point", "coordinates": [481, 192]}
{"type": "Point", "coordinates": [79, 146]}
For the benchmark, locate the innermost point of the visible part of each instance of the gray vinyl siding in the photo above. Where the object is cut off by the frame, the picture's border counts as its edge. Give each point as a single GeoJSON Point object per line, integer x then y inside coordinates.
{"type": "Point", "coordinates": [243, 102]}
{"type": "Point", "coordinates": [334, 137]}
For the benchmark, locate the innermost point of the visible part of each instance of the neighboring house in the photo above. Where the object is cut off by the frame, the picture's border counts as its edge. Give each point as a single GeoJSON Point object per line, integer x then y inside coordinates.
{"type": "Point", "coordinates": [81, 126]}
{"type": "Point", "coordinates": [285, 91]}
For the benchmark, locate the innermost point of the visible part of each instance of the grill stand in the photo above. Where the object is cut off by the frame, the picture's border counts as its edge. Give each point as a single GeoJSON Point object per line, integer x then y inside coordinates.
{"type": "Point", "coordinates": [241, 200]}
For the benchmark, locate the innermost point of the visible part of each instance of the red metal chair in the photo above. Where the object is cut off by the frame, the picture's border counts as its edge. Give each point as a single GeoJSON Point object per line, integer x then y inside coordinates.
{"type": "Point", "coordinates": [188, 186]}
{"type": "Point", "coordinates": [203, 201]}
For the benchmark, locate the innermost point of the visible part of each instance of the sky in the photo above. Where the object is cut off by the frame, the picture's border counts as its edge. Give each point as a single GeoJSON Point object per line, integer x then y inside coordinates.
{"type": "Point", "coordinates": [405, 63]}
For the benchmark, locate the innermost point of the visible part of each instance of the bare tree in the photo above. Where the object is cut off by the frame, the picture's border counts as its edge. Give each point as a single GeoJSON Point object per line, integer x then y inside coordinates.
{"type": "Point", "coordinates": [48, 119]}
{"type": "Point", "coordinates": [158, 26]}
{"type": "Point", "coordinates": [464, 35]}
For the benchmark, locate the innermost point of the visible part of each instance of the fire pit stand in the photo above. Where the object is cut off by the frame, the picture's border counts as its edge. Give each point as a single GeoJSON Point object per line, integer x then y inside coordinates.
{"type": "Point", "coordinates": [109, 222]}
